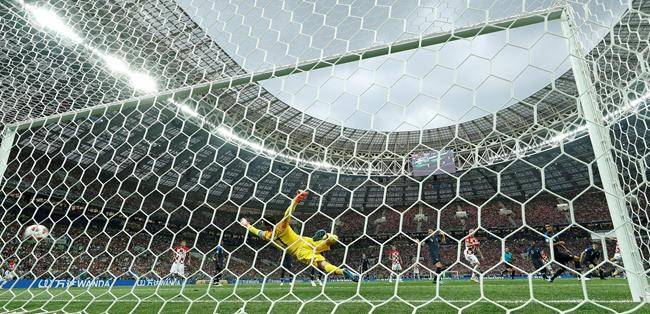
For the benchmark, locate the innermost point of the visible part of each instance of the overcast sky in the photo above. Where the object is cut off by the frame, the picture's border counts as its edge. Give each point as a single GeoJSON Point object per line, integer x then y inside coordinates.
{"type": "Point", "coordinates": [419, 89]}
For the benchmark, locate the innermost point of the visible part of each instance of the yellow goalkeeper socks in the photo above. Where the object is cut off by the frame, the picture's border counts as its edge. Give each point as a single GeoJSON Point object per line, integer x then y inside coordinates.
{"type": "Point", "coordinates": [329, 268]}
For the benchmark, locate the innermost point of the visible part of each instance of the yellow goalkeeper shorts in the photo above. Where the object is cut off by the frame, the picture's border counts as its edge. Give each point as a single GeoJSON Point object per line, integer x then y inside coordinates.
{"type": "Point", "coordinates": [307, 255]}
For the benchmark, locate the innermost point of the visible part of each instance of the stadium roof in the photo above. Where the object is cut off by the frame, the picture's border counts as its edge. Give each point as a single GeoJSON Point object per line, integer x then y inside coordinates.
{"type": "Point", "coordinates": [153, 157]}
{"type": "Point", "coordinates": [165, 42]}
{"type": "Point", "coordinates": [148, 148]}
{"type": "Point", "coordinates": [423, 88]}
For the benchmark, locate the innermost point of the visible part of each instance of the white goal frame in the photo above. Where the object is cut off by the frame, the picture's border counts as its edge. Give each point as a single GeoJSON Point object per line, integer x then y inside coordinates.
{"type": "Point", "coordinates": [590, 107]}
{"type": "Point", "coordinates": [603, 149]}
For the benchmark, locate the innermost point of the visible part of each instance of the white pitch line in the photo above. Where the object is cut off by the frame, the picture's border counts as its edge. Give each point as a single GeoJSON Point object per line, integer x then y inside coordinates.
{"type": "Point", "coordinates": [325, 301]}
{"type": "Point", "coordinates": [274, 287]}
{"type": "Point", "coordinates": [390, 287]}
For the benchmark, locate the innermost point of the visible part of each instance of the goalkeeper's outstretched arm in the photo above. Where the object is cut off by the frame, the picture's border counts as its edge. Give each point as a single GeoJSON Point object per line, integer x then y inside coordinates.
{"type": "Point", "coordinates": [300, 196]}
{"type": "Point", "coordinates": [260, 233]}
{"type": "Point", "coordinates": [266, 235]}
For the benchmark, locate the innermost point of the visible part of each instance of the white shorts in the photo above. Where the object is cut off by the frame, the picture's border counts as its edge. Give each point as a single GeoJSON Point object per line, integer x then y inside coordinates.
{"type": "Point", "coordinates": [618, 257]}
{"type": "Point", "coordinates": [472, 259]}
{"type": "Point", "coordinates": [416, 270]}
{"type": "Point", "coordinates": [9, 275]}
{"type": "Point", "coordinates": [396, 267]}
{"type": "Point", "coordinates": [178, 268]}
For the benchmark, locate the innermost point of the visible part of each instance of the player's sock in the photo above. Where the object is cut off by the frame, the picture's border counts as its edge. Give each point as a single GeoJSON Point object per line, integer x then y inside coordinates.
{"type": "Point", "coordinates": [331, 269]}
{"type": "Point", "coordinates": [557, 273]}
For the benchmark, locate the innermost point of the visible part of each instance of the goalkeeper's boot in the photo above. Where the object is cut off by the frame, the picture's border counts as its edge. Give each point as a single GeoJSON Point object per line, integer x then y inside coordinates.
{"type": "Point", "coordinates": [319, 235]}
{"type": "Point", "coordinates": [350, 275]}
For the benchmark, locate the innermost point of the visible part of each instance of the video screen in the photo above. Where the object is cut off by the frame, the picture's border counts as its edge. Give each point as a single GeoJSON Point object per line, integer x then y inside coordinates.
{"type": "Point", "coordinates": [434, 162]}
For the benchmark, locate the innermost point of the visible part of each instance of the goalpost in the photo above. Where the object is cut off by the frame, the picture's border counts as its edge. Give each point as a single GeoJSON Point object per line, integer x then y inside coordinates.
{"type": "Point", "coordinates": [124, 177]}
{"type": "Point", "coordinates": [599, 134]}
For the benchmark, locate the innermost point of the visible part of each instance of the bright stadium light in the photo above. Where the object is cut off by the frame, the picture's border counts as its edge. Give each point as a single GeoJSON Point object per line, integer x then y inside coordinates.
{"type": "Point", "coordinates": [143, 82]}
{"type": "Point", "coordinates": [556, 140]}
{"type": "Point", "coordinates": [228, 135]}
{"type": "Point", "coordinates": [187, 109]}
{"type": "Point", "coordinates": [49, 20]}
{"type": "Point", "coordinates": [140, 81]}
{"type": "Point", "coordinates": [224, 131]}
{"type": "Point", "coordinates": [630, 107]}
{"type": "Point", "coordinates": [114, 64]}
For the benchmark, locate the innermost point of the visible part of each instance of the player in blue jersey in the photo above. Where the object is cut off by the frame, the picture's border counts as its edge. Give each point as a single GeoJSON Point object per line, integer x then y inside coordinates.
{"type": "Point", "coordinates": [434, 240]}
{"type": "Point", "coordinates": [508, 258]}
{"type": "Point", "coordinates": [590, 258]}
{"type": "Point", "coordinates": [561, 253]}
{"type": "Point", "coordinates": [535, 255]}
{"type": "Point", "coordinates": [219, 263]}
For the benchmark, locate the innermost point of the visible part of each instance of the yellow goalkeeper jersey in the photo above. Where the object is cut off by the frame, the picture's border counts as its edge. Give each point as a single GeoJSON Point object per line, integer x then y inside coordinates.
{"type": "Point", "coordinates": [282, 235]}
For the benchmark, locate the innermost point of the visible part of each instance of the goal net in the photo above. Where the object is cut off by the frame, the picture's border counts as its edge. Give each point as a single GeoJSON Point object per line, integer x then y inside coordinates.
{"type": "Point", "coordinates": [458, 155]}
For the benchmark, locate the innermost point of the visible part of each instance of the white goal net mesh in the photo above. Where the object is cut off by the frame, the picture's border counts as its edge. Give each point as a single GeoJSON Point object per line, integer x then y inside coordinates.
{"type": "Point", "coordinates": [140, 133]}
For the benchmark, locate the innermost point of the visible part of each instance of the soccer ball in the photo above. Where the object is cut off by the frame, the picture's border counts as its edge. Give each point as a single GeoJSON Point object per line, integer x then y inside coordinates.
{"type": "Point", "coordinates": [36, 232]}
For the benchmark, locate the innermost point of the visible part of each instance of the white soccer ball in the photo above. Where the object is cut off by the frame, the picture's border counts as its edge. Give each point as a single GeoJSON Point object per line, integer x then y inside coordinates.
{"type": "Point", "coordinates": [36, 232]}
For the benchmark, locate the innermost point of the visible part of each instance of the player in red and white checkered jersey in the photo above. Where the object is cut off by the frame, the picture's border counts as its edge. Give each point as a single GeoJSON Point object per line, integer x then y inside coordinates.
{"type": "Point", "coordinates": [545, 258]}
{"type": "Point", "coordinates": [617, 259]}
{"type": "Point", "coordinates": [10, 273]}
{"type": "Point", "coordinates": [470, 240]}
{"type": "Point", "coordinates": [181, 257]}
{"type": "Point", "coordinates": [472, 247]}
{"type": "Point", "coordinates": [473, 243]}
{"type": "Point", "coordinates": [396, 263]}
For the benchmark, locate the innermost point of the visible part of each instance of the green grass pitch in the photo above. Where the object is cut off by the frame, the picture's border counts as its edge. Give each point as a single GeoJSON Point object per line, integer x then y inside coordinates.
{"type": "Point", "coordinates": [340, 297]}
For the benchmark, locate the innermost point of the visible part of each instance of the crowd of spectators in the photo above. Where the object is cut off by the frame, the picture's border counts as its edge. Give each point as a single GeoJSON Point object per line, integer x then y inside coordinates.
{"type": "Point", "coordinates": [122, 248]}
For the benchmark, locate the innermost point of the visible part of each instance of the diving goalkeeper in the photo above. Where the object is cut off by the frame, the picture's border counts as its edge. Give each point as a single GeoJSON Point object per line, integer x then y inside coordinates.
{"type": "Point", "coordinates": [304, 249]}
